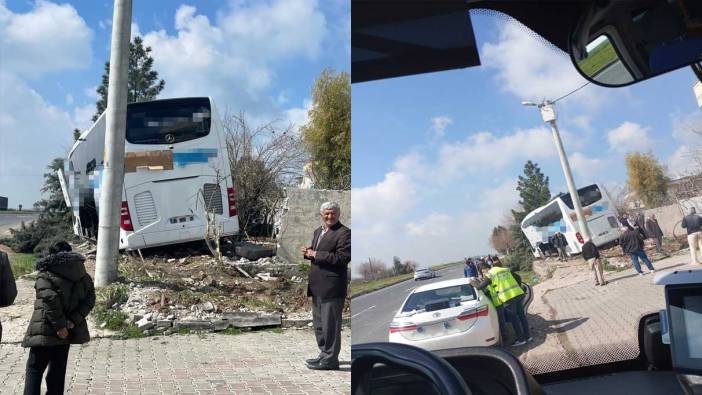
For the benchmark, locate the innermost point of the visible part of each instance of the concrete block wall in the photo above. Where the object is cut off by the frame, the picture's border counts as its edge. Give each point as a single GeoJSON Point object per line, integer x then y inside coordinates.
{"type": "Point", "coordinates": [670, 215]}
{"type": "Point", "coordinates": [300, 217]}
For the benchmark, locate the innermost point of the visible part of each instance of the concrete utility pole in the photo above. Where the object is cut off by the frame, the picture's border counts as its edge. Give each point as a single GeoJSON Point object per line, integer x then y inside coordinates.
{"type": "Point", "coordinates": [548, 113]}
{"type": "Point", "coordinates": [113, 171]}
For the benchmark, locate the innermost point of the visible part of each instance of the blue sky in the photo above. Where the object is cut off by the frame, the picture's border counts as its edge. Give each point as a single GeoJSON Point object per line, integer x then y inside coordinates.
{"type": "Point", "coordinates": [436, 156]}
{"type": "Point", "coordinates": [251, 56]}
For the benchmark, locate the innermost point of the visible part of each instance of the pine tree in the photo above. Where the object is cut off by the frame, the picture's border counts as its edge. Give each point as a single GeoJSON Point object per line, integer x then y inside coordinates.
{"type": "Point", "coordinates": [534, 193]}
{"type": "Point", "coordinates": [143, 83]}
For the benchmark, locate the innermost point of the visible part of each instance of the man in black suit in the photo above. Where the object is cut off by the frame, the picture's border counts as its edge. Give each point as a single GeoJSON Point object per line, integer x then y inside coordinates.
{"type": "Point", "coordinates": [330, 254]}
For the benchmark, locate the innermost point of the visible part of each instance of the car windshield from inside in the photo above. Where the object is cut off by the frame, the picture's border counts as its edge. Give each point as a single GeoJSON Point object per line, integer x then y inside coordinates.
{"type": "Point", "coordinates": [439, 299]}
{"type": "Point", "coordinates": [485, 179]}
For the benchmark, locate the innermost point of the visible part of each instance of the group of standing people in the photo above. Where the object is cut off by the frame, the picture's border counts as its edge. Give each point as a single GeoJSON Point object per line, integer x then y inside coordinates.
{"type": "Point", "coordinates": [475, 268]}
{"type": "Point", "coordinates": [64, 297]}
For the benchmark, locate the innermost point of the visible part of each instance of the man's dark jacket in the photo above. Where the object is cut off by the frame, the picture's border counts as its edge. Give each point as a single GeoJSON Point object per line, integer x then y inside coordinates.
{"type": "Point", "coordinates": [692, 222]}
{"type": "Point", "coordinates": [8, 288]}
{"type": "Point", "coordinates": [590, 250]}
{"type": "Point", "coordinates": [64, 292]}
{"type": "Point", "coordinates": [625, 221]}
{"type": "Point", "coordinates": [559, 240]}
{"type": "Point", "coordinates": [652, 229]}
{"type": "Point", "coordinates": [631, 242]}
{"type": "Point", "coordinates": [329, 273]}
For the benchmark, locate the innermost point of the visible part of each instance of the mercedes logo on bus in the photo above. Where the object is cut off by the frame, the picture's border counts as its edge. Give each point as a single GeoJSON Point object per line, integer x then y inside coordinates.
{"type": "Point", "coordinates": [170, 138]}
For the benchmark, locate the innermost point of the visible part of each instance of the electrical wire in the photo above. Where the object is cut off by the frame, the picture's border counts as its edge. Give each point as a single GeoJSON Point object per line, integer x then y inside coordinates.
{"type": "Point", "coordinates": [571, 92]}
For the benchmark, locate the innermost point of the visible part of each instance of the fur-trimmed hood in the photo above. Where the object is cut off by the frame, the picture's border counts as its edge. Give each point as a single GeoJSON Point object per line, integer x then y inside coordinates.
{"type": "Point", "coordinates": [67, 264]}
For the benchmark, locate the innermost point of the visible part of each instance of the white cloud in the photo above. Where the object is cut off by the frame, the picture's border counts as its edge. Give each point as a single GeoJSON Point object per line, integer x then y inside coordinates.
{"type": "Point", "coordinates": [134, 31]}
{"type": "Point", "coordinates": [29, 128]}
{"type": "Point", "coordinates": [587, 168]}
{"type": "Point", "coordinates": [485, 151]}
{"type": "Point", "coordinates": [685, 161]}
{"type": "Point", "coordinates": [389, 198]}
{"type": "Point", "coordinates": [49, 38]}
{"type": "Point", "coordinates": [105, 23]}
{"type": "Point", "coordinates": [500, 198]}
{"type": "Point", "coordinates": [234, 59]}
{"type": "Point", "coordinates": [442, 236]}
{"type": "Point", "coordinates": [629, 137]}
{"type": "Point", "coordinates": [69, 99]}
{"type": "Point", "coordinates": [433, 225]}
{"type": "Point", "coordinates": [439, 124]}
{"type": "Point", "coordinates": [92, 93]}
{"type": "Point", "coordinates": [687, 128]}
{"type": "Point", "coordinates": [83, 116]}
{"type": "Point", "coordinates": [530, 69]}
{"type": "Point", "coordinates": [298, 116]}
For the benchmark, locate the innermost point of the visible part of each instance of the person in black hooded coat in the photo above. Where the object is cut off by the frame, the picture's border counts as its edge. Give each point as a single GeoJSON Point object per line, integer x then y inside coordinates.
{"type": "Point", "coordinates": [65, 296]}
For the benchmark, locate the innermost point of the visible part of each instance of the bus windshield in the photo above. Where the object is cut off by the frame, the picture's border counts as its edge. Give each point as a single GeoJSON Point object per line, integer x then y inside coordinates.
{"type": "Point", "coordinates": [549, 215]}
{"type": "Point", "coordinates": [588, 195]}
{"type": "Point", "coordinates": [168, 121]}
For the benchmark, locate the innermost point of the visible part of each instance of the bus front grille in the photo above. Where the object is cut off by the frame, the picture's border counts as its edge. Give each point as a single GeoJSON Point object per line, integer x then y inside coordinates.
{"type": "Point", "coordinates": [145, 208]}
{"type": "Point", "coordinates": [212, 195]}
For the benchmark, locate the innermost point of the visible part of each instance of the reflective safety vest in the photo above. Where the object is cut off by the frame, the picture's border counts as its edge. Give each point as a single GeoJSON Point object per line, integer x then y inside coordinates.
{"type": "Point", "coordinates": [504, 284]}
{"type": "Point", "coordinates": [493, 295]}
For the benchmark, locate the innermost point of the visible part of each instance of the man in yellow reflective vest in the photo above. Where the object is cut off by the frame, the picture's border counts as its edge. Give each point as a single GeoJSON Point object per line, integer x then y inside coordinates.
{"type": "Point", "coordinates": [510, 295]}
{"type": "Point", "coordinates": [499, 307]}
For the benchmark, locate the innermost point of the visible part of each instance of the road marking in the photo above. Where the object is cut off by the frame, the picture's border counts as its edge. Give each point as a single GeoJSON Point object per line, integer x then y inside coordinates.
{"type": "Point", "coordinates": [355, 315]}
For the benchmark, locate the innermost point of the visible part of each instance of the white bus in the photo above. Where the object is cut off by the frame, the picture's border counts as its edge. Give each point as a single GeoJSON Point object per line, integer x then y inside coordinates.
{"type": "Point", "coordinates": [176, 164]}
{"type": "Point", "coordinates": [558, 215]}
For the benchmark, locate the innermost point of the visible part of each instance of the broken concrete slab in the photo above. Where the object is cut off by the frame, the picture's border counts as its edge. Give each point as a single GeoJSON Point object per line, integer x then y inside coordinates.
{"type": "Point", "coordinates": [194, 325]}
{"type": "Point", "coordinates": [220, 325]}
{"type": "Point", "coordinates": [164, 324]}
{"type": "Point", "coordinates": [254, 252]}
{"type": "Point", "coordinates": [144, 324]}
{"type": "Point", "coordinates": [252, 320]}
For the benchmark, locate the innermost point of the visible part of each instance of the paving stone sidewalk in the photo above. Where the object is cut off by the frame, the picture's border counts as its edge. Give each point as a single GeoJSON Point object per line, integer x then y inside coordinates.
{"type": "Point", "coordinates": [581, 324]}
{"type": "Point", "coordinates": [251, 363]}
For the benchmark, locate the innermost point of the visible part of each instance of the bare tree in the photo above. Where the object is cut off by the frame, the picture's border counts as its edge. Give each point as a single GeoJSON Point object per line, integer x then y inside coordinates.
{"type": "Point", "coordinates": [620, 197]}
{"type": "Point", "coordinates": [374, 269]}
{"type": "Point", "coordinates": [263, 160]}
{"type": "Point", "coordinates": [501, 239]}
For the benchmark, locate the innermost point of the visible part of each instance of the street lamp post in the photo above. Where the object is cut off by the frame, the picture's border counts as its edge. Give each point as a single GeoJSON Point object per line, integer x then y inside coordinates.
{"type": "Point", "coordinates": [548, 114]}
{"type": "Point", "coordinates": [113, 173]}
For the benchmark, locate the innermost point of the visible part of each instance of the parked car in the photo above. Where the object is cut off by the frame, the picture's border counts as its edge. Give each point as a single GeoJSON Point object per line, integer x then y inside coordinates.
{"type": "Point", "coordinates": [446, 314]}
{"type": "Point", "coordinates": [421, 274]}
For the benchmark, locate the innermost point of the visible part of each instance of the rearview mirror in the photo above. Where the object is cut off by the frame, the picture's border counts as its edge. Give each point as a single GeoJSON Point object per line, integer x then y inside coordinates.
{"type": "Point", "coordinates": [619, 43]}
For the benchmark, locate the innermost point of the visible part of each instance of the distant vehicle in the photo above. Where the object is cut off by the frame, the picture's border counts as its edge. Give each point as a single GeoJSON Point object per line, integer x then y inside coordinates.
{"type": "Point", "coordinates": [446, 314]}
{"type": "Point", "coordinates": [558, 215]}
{"type": "Point", "coordinates": [176, 170]}
{"type": "Point", "coordinates": [421, 274]}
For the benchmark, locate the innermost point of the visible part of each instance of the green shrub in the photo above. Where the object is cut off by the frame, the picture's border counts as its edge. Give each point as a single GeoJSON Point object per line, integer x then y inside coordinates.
{"type": "Point", "coordinates": [114, 319]}
{"type": "Point", "coordinates": [40, 234]}
{"type": "Point", "coordinates": [113, 293]}
{"type": "Point", "coordinates": [131, 332]}
{"type": "Point", "coordinates": [304, 267]}
{"type": "Point", "coordinates": [22, 264]}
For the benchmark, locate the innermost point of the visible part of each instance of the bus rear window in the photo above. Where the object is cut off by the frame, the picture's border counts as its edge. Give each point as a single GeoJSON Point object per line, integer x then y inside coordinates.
{"type": "Point", "coordinates": [588, 195]}
{"type": "Point", "coordinates": [168, 121]}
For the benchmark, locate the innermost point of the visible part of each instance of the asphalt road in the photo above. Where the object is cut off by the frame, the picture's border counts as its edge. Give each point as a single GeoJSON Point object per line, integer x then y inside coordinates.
{"type": "Point", "coordinates": [372, 313]}
{"type": "Point", "coordinates": [615, 74]}
{"type": "Point", "coordinates": [8, 220]}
